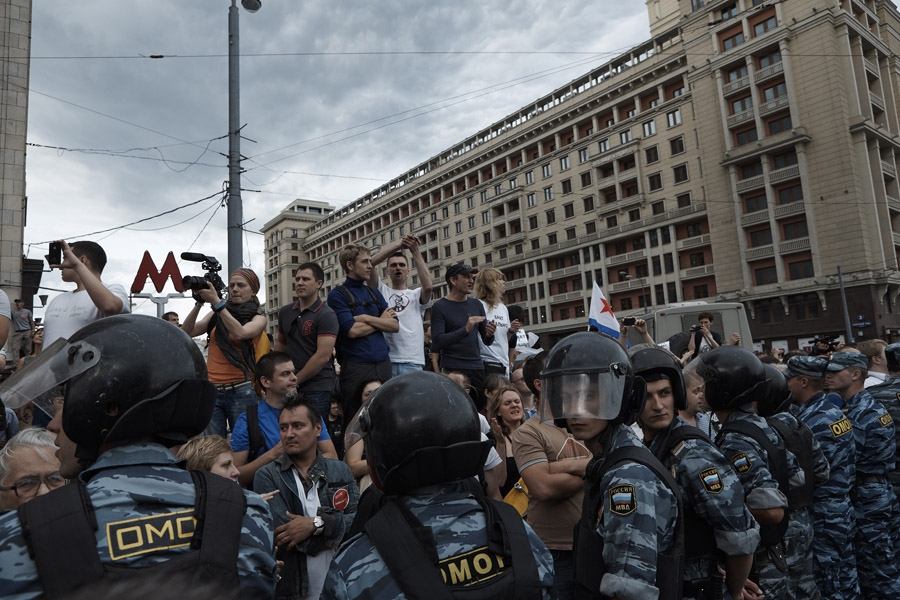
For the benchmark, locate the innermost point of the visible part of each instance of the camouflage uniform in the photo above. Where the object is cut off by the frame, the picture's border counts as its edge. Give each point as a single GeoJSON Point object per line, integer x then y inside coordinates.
{"type": "Point", "coordinates": [873, 497]}
{"type": "Point", "coordinates": [131, 483]}
{"type": "Point", "coordinates": [833, 520]}
{"type": "Point", "coordinates": [750, 462]}
{"type": "Point", "coordinates": [637, 522]}
{"type": "Point", "coordinates": [798, 539]}
{"type": "Point", "coordinates": [457, 522]}
{"type": "Point", "coordinates": [888, 393]}
{"type": "Point", "coordinates": [711, 488]}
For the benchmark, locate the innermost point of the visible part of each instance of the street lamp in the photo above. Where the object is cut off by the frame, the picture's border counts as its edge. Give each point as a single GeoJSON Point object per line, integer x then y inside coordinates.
{"type": "Point", "coordinates": [235, 206]}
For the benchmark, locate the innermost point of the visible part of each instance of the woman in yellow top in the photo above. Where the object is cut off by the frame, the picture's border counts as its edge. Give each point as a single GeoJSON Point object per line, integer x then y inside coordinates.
{"type": "Point", "coordinates": [235, 326]}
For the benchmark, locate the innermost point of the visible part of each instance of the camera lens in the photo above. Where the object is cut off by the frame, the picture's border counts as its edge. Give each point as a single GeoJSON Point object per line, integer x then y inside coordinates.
{"type": "Point", "coordinates": [192, 282]}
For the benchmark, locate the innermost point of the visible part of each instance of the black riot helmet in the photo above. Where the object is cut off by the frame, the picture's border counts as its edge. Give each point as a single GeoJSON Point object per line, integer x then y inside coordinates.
{"type": "Point", "coordinates": [124, 377]}
{"type": "Point", "coordinates": [588, 375]}
{"type": "Point", "coordinates": [420, 429]}
{"type": "Point", "coordinates": [652, 363]}
{"type": "Point", "coordinates": [732, 375]}
{"type": "Point", "coordinates": [779, 397]}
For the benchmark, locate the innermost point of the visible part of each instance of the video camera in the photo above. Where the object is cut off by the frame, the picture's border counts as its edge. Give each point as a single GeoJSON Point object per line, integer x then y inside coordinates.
{"type": "Point", "coordinates": [212, 266]}
{"type": "Point", "coordinates": [824, 344]}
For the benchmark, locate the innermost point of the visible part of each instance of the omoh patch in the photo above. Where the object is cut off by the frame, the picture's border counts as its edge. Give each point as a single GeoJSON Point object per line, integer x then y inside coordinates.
{"type": "Point", "coordinates": [622, 500]}
{"type": "Point", "coordinates": [340, 499]}
{"type": "Point", "coordinates": [711, 480]}
{"type": "Point", "coordinates": [741, 463]}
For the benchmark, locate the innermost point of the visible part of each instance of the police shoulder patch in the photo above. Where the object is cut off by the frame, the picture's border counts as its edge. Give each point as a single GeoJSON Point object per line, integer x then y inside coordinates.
{"type": "Point", "coordinates": [741, 462]}
{"type": "Point", "coordinates": [144, 535]}
{"type": "Point", "coordinates": [841, 427]}
{"type": "Point", "coordinates": [622, 500]}
{"type": "Point", "coordinates": [711, 480]}
{"type": "Point", "coordinates": [886, 420]}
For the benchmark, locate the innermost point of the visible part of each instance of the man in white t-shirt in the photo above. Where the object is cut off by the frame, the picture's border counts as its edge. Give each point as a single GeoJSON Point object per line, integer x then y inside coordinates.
{"type": "Point", "coordinates": [82, 264]}
{"type": "Point", "coordinates": [407, 346]}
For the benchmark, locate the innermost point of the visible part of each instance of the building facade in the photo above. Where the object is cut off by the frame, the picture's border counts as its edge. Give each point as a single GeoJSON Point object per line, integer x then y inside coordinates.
{"type": "Point", "coordinates": [746, 152]}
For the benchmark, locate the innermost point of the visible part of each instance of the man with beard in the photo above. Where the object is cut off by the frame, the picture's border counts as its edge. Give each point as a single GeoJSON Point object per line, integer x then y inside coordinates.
{"type": "Point", "coordinates": [256, 440]}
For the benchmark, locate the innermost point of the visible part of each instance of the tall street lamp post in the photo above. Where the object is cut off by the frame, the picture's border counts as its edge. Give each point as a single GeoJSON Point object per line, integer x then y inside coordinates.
{"type": "Point", "coordinates": [235, 205]}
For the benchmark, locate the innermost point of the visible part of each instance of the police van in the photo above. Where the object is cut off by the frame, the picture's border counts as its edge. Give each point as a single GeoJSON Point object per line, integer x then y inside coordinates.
{"type": "Point", "coordinates": [671, 324]}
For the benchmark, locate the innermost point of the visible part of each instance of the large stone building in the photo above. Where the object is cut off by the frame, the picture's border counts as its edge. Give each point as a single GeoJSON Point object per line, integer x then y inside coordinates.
{"type": "Point", "coordinates": [746, 152]}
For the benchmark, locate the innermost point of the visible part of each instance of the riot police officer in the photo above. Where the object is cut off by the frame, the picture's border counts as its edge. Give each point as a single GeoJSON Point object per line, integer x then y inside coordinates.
{"type": "Point", "coordinates": [735, 379]}
{"type": "Point", "coordinates": [435, 535]}
{"type": "Point", "coordinates": [721, 528]}
{"type": "Point", "coordinates": [126, 387]}
{"type": "Point", "coordinates": [629, 542]}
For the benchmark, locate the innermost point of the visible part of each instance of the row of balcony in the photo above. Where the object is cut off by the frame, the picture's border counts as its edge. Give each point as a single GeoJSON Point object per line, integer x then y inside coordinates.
{"type": "Point", "coordinates": [760, 75]}
{"type": "Point", "coordinates": [758, 181]}
{"type": "Point", "coordinates": [786, 247]}
{"type": "Point", "coordinates": [780, 211]}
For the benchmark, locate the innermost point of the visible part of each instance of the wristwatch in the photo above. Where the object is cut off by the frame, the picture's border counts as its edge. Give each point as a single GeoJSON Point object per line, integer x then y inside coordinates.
{"type": "Point", "coordinates": [319, 524]}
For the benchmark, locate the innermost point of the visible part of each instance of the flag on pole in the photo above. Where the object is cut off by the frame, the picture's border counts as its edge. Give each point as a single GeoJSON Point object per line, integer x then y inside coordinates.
{"type": "Point", "coordinates": [601, 314]}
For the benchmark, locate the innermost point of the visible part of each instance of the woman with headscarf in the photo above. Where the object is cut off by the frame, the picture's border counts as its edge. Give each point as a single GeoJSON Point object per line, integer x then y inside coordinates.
{"type": "Point", "coordinates": [234, 327]}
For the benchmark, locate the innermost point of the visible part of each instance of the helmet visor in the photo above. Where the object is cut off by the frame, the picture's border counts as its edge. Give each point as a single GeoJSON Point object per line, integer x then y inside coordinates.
{"type": "Point", "coordinates": [42, 379]}
{"type": "Point", "coordinates": [595, 395]}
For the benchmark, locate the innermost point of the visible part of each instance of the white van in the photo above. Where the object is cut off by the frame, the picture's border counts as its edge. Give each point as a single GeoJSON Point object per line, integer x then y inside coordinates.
{"type": "Point", "coordinates": [672, 323]}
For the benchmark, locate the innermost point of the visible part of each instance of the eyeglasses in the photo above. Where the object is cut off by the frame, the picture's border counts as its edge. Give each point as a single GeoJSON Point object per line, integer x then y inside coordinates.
{"type": "Point", "coordinates": [28, 487]}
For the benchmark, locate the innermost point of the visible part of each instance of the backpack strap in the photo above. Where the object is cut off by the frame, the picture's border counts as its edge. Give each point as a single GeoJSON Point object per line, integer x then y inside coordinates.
{"type": "Point", "coordinates": [675, 437]}
{"type": "Point", "coordinates": [256, 439]}
{"type": "Point", "coordinates": [59, 529]}
{"type": "Point", "coordinates": [219, 507]}
{"type": "Point", "coordinates": [401, 546]}
{"type": "Point", "coordinates": [776, 457]}
{"type": "Point", "coordinates": [506, 524]}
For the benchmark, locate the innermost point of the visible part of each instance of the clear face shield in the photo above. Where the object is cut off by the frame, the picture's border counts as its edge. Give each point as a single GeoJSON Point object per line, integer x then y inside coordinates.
{"type": "Point", "coordinates": [41, 381]}
{"type": "Point", "coordinates": [596, 395]}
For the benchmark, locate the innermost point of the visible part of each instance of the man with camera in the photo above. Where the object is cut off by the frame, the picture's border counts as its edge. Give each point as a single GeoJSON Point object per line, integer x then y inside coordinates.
{"type": "Point", "coordinates": [235, 328]}
{"type": "Point", "coordinates": [81, 264]}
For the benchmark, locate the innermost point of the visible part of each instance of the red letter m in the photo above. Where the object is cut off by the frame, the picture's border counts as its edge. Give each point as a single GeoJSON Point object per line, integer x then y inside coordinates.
{"type": "Point", "coordinates": [148, 269]}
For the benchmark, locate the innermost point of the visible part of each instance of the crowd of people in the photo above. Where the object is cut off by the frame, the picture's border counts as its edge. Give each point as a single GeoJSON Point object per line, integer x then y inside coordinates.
{"type": "Point", "coordinates": [594, 470]}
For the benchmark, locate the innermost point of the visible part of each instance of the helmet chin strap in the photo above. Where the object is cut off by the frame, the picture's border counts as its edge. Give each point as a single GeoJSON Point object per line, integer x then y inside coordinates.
{"type": "Point", "coordinates": [86, 457]}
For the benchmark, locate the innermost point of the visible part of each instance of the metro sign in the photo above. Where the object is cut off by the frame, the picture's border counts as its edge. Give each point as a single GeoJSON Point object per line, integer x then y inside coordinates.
{"type": "Point", "coordinates": [157, 276]}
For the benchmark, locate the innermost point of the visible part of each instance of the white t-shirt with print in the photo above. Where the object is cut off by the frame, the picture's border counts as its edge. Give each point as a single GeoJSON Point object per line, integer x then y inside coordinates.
{"type": "Point", "coordinates": [408, 344]}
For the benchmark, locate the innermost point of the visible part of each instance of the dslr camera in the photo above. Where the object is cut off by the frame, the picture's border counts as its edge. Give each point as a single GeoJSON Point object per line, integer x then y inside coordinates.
{"type": "Point", "coordinates": [695, 328]}
{"type": "Point", "coordinates": [212, 267]}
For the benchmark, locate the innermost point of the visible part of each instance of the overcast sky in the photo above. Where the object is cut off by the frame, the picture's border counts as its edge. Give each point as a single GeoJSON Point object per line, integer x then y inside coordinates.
{"type": "Point", "coordinates": [338, 98]}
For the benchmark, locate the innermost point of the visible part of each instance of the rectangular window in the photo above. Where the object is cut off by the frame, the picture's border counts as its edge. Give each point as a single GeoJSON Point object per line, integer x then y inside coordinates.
{"type": "Point", "coordinates": [666, 235]}
{"type": "Point", "coordinates": [639, 243]}
{"type": "Point", "coordinates": [533, 222]}
{"type": "Point", "coordinates": [776, 91]}
{"type": "Point", "coordinates": [634, 215]}
{"type": "Point", "coordinates": [498, 189]}
{"type": "Point", "coordinates": [694, 229]}
{"type": "Point", "coordinates": [459, 227]}
{"type": "Point", "coordinates": [487, 237]}
{"type": "Point", "coordinates": [548, 193]}
{"type": "Point", "coordinates": [655, 182]}
{"type": "Point", "coordinates": [696, 5]}
{"type": "Point", "coordinates": [473, 243]}
{"type": "Point", "coordinates": [611, 222]}
{"type": "Point", "coordinates": [676, 145]}
{"type": "Point", "coordinates": [654, 238]}
{"type": "Point", "coordinates": [513, 183]}
{"type": "Point", "coordinates": [584, 155]}
{"type": "Point", "coordinates": [585, 179]}
{"type": "Point", "coordinates": [729, 12]}
{"type": "Point", "coordinates": [535, 244]}
{"type": "Point", "coordinates": [657, 266]}
{"type": "Point", "coordinates": [680, 173]}
{"type": "Point", "coordinates": [564, 163]}
{"type": "Point", "coordinates": [447, 252]}
{"type": "Point", "coordinates": [603, 145]}
{"type": "Point", "coordinates": [433, 217]}
{"type": "Point", "coordinates": [736, 73]}
{"type": "Point", "coordinates": [550, 216]}
{"type": "Point", "coordinates": [741, 104]}
{"type": "Point", "coordinates": [790, 194]}
{"type": "Point", "coordinates": [570, 233]}
{"type": "Point", "coordinates": [569, 210]}
{"type": "Point", "coordinates": [674, 118]}
{"type": "Point", "coordinates": [588, 203]}
{"type": "Point", "coordinates": [792, 231]}
{"type": "Point", "coordinates": [459, 247]}
{"type": "Point", "coordinates": [658, 208]}
{"type": "Point", "coordinates": [750, 170]}
{"type": "Point", "coordinates": [625, 303]}
{"type": "Point", "coordinates": [770, 59]}
{"type": "Point", "coordinates": [530, 199]}
{"type": "Point", "coordinates": [546, 171]}
{"type": "Point", "coordinates": [551, 239]}
{"type": "Point", "coordinates": [764, 26]}
{"type": "Point", "coordinates": [733, 41]}
{"type": "Point", "coordinates": [669, 263]}
{"type": "Point", "coordinates": [701, 291]}
{"type": "Point", "coordinates": [445, 212]}
{"type": "Point", "coordinates": [529, 177]}
{"type": "Point", "coordinates": [760, 237]}
{"type": "Point", "coordinates": [785, 159]}
{"type": "Point", "coordinates": [780, 124]}
{"type": "Point", "coordinates": [446, 231]}
{"type": "Point", "coordinates": [746, 136]}
{"type": "Point", "coordinates": [590, 227]}
{"type": "Point", "coordinates": [567, 186]}
{"type": "Point", "coordinates": [697, 259]}
{"type": "Point", "coordinates": [486, 217]}
{"type": "Point", "coordinates": [765, 275]}
{"type": "Point", "coordinates": [470, 202]}
{"type": "Point", "coordinates": [755, 203]}
{"type": "Point", "coordinates": [457, 208]}
{"type": "Point", "coordinates": [649, 128]}
{"type": "Point", "coordinates": [484, 196]}
{"type": "Point", "coordinates": [651, 155]}
{"type": "Point", "coordinates": [471, 222]}
{"type": "Point", "coordinates": [625, 136]}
